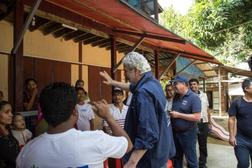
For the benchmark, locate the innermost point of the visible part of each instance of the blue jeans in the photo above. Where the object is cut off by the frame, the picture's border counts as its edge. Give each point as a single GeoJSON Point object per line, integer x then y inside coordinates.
{"type": "Point", "coordinates": [243, 150]}
{"type": "Point", "coordinates": [185, 143]}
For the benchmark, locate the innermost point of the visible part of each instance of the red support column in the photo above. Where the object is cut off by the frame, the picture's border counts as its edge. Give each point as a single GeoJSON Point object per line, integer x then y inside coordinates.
{"type": "Point", "coordinates": [16, 74]}
{"type": "Point", "coordinates": [156, 64]}
{"type": "Point", "coordinates": [113, 57]}
{"type": "Point", "coordinates": [80, 60]}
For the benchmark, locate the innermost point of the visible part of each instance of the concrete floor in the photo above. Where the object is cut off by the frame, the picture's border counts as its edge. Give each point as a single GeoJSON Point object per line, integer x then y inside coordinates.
{"type": "Point", "coordinates": [221, 156]}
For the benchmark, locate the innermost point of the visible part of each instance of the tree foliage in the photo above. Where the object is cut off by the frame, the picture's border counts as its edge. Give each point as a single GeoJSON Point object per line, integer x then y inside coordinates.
{"type": "Point", "coordinates": [222, 27]}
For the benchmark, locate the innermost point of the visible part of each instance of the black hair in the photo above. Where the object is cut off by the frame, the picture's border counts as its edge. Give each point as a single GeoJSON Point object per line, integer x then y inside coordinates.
{"type": "Point", "coordinates": [246, 83]}
{"type": "Point", "coordinates": [78, 81]}
{"type": "Point", "coordinates": [30, 79]}
{"type": "Point", "coordinates": [57, 102]}
{"type": "Point", "coordinates": [3, 103]}
{"type": "Point", "coordinates": [1, 92]}
{"type": "Point", "coordinates": [79, 88]}
{"type": "Point", "coordinates": [194, 80]}
{"type": "Point", "coordinates": [82, 89]}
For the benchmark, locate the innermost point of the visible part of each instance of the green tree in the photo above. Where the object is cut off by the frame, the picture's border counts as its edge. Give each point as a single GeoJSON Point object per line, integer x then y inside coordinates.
{"type": "Point", "coordinates": [221, 27]}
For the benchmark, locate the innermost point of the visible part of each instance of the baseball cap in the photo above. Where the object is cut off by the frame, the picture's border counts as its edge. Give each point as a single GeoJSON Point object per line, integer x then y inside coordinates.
{"type": "Point", "coordinates": [180, 79]}
{"type": "Point", "coordinates": [117, 89]}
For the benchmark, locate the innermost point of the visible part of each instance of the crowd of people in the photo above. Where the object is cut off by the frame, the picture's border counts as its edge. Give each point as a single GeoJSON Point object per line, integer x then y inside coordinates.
{"type": "Point", "coordinates": [146, 130]}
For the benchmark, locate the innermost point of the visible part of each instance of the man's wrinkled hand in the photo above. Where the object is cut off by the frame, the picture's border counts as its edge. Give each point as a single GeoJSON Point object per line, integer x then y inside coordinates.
{"type": "Point", "coordinates": [108, 80]}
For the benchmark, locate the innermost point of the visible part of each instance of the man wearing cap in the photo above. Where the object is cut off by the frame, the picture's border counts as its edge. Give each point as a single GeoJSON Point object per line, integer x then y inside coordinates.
{"type": "Point", "coordinates": [185, 113]}
{"type": "Point", "coordinates": [146, 121]}
{"type": "Point", "coordinates": [117, 109]}
{"type": "Point", "coordinates": [240, 125]}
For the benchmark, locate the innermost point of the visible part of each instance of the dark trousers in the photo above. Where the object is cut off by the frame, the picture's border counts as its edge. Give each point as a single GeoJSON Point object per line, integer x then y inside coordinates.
{"type": "Point", "coordinates": [203, 130]}
{"type": "Point", "coordinates": [243, 151]}
{"type": "Point", "coordinates": [185, 143]}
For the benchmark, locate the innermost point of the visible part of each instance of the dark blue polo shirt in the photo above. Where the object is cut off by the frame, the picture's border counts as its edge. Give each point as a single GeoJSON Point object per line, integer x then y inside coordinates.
{"type": "Point", "coordinates": [242, 110]}
{"type": "Point", "coordinates": [188, 104]}
{"type": "Point", "coordinates": [146, 123]}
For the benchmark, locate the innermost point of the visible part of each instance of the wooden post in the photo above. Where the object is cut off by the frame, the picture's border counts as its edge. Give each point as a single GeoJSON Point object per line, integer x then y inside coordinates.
{"type": "Point", "coordinates": [156, 64]}
{"type": "Point", "coordinates": [219, 84]}
{"type": "Point", "coordinates": [113, 57]}
{"type": "Point", "coordinates": [16, 61]}
{"type": "Point", "coordinates": [156, 10]}
{"type": "Point", "coordinates": [80, 59]}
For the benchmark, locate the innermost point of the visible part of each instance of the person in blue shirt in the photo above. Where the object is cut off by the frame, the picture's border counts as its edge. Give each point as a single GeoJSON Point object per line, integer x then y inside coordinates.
{"type": "Point", "coordinates": [241, 111]}
{"type": "Point", "coordinates": [185, 114]}
{"type": "Point", "coordinates": [146, 121]}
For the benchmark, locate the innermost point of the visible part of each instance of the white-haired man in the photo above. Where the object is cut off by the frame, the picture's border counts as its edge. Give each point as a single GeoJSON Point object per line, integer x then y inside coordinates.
{"type": "Point", "coordinates": [146, 121]}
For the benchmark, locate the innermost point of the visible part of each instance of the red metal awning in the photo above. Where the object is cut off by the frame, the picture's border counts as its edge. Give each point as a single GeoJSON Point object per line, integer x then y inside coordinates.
{"type": "Point", "coordinates": [110, 15]}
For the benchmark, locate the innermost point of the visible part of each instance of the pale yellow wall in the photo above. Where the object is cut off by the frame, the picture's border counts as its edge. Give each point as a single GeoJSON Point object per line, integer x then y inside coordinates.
{"type": "Point", "coordinates": [6, 36]}
{"type": "Point", "coordinates": [74, 74]}
{"type": "Point", "coordinates": [4, 75]}
{"type": "Point", "coordinates": [6, 43]}
{"type": "Point", "coordinates": [37, 44]}
{"type": "Point", "coordinates": [98, 56]}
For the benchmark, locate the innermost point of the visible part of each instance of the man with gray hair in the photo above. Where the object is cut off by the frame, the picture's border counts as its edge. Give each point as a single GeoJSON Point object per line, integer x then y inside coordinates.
{"type": "Point", "coordinates": [241, 112]}
{"type": "Point", "coordinates": [146, 121]}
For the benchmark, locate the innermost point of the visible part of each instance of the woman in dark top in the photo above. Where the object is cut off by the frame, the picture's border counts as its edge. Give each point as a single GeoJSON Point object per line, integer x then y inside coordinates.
{"type": "Point", "coordinates": [8, 144]}
{"type": "Point", "coordinates": [31, 95]}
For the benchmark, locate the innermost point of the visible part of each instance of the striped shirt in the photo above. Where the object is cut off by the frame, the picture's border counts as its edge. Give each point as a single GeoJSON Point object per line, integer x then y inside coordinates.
{"type": "Point", "coordinates": [118, 115]}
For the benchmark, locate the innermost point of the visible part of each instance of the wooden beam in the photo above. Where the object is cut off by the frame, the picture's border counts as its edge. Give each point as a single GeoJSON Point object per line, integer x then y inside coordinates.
{"type": "Point", "coordinates": [69, 15]}
{"type": "Point", "coordinates": [38, 23]}
{"type": "Point", "coordinates": [187, 66]}
{"type": "Point", "coordinates": [52, 27]}
{"type": "Point", "coordinates": [118, 46]}
{"type": "Point", "coordinates": [153, 36]}
{"type": "Point", "coordinates": [16, 60]}
{"type": "Point", "coordinates": [105, 44]}
{"type": "Point", "coordinates": [169, 66]}
{"type": "Point", "coordinates": [133, 49]}
{"type": "Point", "coordinates": [125, 50]}
{"type": "Point", "coordinates": [83, 37]}
{"type": "Point", "coordinates": [100, 42]}
{"type": "Point", "coordinates": [61, 32]}
{"type": "Point", "coordinates": [73, 34]}
{"type": "Point", "coordinates": [156, 10]}
{"type": "Point", "coordinates": [156, 64]}
{"type": "Point", "coordinates": [91, 40]}
{"type": "Point", "coordinates": [25, 26]}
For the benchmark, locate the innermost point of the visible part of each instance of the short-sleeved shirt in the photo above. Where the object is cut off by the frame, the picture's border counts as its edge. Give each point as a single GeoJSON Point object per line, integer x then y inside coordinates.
{"type": "Point", "coordinates": [188, 104]}
{"type": "Point", "coordinates": [73, 148]}
{"type": "Point", "coordinates": [204, 106]}
{"type": "Point", "coordinates": [242, 110]}
{"type": "Point", "coordinates": [119, 116]}
{"type": "Point", "coordinates": [146, 123]}
{"type": "Point", "coordinates": [85, 115]}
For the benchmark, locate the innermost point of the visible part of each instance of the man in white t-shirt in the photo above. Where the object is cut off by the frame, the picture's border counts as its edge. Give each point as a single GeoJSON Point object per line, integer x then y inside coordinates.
{"type": "Point", "coordinates": [203, 125]}
{"type": "Point", "coordinates": [118, 110]}
{"type": "Point", "coordinates": [64, 146]}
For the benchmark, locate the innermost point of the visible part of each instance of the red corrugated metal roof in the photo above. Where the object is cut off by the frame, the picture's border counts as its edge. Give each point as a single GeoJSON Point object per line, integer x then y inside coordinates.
{"type": "Point", "coordinates": [115, 14]}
